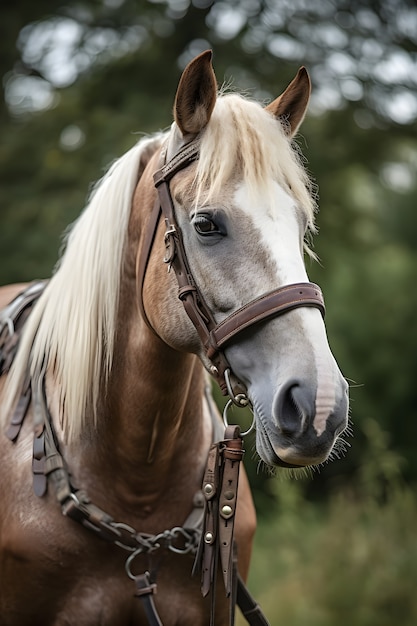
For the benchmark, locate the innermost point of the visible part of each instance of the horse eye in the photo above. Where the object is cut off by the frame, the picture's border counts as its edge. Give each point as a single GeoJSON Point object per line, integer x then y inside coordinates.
{"type": "Point", "coordinates": [204, 226]}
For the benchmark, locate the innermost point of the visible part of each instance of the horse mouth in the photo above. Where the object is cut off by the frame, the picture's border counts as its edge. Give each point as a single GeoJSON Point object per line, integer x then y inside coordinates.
{"type": "Point", "coordinates": [282, 452]}
{"type": "Point", "coordinates": [267, 451]}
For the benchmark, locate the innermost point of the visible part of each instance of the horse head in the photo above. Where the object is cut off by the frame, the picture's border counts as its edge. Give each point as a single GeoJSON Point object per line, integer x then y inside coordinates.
{"type": "Point", "coordinates": [243, 207]}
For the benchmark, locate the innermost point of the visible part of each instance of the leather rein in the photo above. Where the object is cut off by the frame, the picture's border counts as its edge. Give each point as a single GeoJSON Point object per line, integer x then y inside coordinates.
{"type": "Point", "coordinates": [215, 337]}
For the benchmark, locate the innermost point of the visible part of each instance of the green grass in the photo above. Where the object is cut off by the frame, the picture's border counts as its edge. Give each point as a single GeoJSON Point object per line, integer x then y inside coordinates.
{"type": "Point", "coordinates": [351, 562]}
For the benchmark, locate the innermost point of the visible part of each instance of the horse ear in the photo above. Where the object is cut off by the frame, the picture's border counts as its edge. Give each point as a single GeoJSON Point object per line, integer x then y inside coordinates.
{"type": "Point", "coordinates": [292, 104]}
{"type": "Point", "coordinates": [196, 95]}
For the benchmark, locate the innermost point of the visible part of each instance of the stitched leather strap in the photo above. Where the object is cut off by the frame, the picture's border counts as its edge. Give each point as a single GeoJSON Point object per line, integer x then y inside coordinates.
{"type": "Point", "coordinates": [232, 454]}
{"type": "Point", "coordinates": [268, 305]}
{"type": "Point", "coordinates": [220, 486]}
{"type": "Point", "coordinates": [208, 545]}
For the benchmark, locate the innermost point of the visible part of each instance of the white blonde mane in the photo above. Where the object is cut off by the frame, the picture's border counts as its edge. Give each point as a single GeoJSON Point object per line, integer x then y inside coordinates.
{"type": "Point", "coordinates": [73, 325]}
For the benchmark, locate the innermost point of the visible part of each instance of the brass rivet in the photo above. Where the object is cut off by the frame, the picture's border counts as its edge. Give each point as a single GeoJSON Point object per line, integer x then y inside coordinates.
{"type": "Point", "coordinates": [227, 510]}
{"type": "Point", "coordinates": [208, 537]}
{"type": "Point", "coordinates": [208, 489]}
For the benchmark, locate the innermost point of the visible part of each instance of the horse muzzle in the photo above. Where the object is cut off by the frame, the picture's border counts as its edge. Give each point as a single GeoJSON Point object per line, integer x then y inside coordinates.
{"type": "Point", "coordinates": [304, 424]}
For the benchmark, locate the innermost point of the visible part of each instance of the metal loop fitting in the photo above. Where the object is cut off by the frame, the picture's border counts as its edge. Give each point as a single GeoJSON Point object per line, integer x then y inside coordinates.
{"type": "Point", "coordinates": [129, 561]}
{"type": "Point", "coordinates": [126, 532]}
{"type": "Point", "coordinates": [228, 406]}
{"type": "Point", "coordinates": [241, 399]}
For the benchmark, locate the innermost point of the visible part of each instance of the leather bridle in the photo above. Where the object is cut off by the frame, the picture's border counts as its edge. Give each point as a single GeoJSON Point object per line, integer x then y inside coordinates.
{"type": "Point", "coordinates": [214, 336]}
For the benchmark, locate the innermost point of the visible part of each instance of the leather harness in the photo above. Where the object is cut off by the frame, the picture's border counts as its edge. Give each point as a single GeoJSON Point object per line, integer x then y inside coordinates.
{"type": "Point", "coordinates": [208, 531]}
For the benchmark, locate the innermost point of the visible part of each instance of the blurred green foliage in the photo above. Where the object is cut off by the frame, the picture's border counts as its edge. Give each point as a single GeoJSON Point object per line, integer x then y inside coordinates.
{"type": "Point", "coordinates": [81, 80]}
{"type": "Point", "coordinates": [352, 561]}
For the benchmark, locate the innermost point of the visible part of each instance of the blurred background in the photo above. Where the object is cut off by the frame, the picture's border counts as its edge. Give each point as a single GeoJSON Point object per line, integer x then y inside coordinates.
{"type": "Point", "coordinates": [83, 79]}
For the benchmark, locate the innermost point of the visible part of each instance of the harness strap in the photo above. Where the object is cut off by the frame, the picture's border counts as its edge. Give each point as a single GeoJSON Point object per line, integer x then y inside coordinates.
{"type": "Point", "coordinates": [144, 590]}
{"type": "Point", "coordinates": [251, 611]}
{"type": "Point", "coordinates": [217, 545]}
{"type": "Point", "coordinates": [19, 413]}
{"type": "Point", "coordinates": [232, 455]}
{"type": "Point", "coordinates": [12, 320]}
{"type": "Point", "coordinates": [205, 558]}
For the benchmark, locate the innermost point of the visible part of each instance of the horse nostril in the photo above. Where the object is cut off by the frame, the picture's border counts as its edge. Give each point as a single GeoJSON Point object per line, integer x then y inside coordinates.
{"type": "Point", "coordinates": [291, 408]}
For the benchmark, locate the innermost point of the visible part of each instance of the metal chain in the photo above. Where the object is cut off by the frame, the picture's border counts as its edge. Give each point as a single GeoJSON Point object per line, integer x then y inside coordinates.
{"type": "Point", "coordinates": [166, 540]}
{"type": "Point", "coordinates": [78, 507]}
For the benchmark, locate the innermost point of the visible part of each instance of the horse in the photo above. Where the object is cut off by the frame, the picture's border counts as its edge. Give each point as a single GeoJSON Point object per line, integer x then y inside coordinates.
{"type": "Point", "coordinates": [165, 283]}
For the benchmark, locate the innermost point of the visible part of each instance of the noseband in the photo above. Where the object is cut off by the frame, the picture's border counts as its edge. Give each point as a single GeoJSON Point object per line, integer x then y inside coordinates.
{"type": "Point", "coordinates": [214, 336]}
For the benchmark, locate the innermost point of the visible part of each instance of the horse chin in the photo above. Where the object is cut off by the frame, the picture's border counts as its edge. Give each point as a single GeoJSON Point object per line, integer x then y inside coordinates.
{"type": "Point", "coordinates": [291, 456]}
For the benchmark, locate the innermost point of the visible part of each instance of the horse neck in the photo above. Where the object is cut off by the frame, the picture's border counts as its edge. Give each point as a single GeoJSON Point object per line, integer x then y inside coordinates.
{"type": "Point", "coordinates": [153, 423]}
{"type": "Point", "coordinates": [153, 434]}
{"type": "Point", "coordinates": [152, 420]}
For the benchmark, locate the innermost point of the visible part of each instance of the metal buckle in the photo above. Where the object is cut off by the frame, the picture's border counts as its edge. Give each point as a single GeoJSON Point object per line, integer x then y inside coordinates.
{"type": "Point", "coordinates": [170, 245]}
{"type": "Point", "coordinates": [71, 507]}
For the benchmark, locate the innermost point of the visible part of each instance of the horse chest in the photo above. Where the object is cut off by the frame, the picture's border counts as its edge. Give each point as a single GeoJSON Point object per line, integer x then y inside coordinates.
{"type": "Point", "coordinates": [50, 573]}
